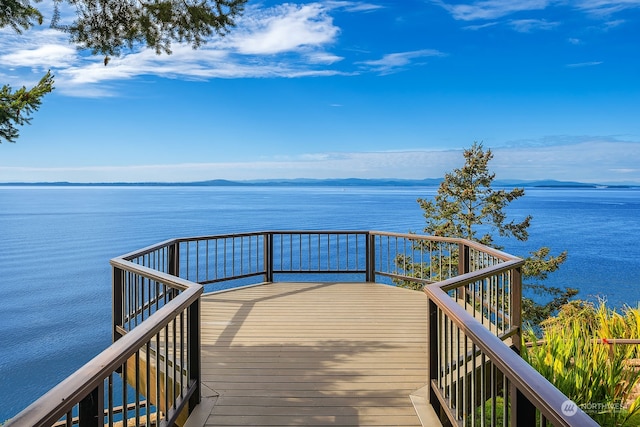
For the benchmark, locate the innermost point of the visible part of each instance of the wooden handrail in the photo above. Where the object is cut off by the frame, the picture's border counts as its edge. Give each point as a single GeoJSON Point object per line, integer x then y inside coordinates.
{"type": "Point", "coordinates": [536, 388]}
{"type": "Point", "coordinates": [543, 395]}
{"type": "Point", "coordinates": [149, 273]}
{"type": "Point", "coordinates": [468, 278]}
{"type": "Point", "coordinates": [50, 407]}
{"type": "Point", "coordinates": [475, 245]}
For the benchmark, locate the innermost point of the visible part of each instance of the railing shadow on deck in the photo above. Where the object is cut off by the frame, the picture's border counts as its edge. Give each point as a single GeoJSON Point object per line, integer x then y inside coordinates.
{"type": "Point", "coordinates": [309, 366]}
{"type": "Point", "coordinates": [151, 373]}
{"type": "Point", "coordinates": [347, 406]}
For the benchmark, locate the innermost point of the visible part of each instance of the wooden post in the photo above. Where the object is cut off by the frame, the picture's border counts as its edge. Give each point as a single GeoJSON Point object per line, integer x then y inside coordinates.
{"type": "Point", "coordinates": [523, 410]}
{"type": "Point", "coordinates": [370, 275]}
{"type": "Point", "coordinates": [268, 257]}
{"type": "Point", "coordinates": [193, 317]}
{"type": "Point", "coordinates": [174, 265]}
{"type": "Point", "coordinates": [516, 307]}
{"type": "Point", "coordinates": [174, 259]}
{"type": "Point", "coordinates": [432, 354]}
{"type": "Point", "coordinates": [91, 409]}
{"type": "Point", "coordinates": [117, 317]}
{"type": "Point", "coordinates": [463, 267]}
{"type": "Point", "coordinates": [463, 259]}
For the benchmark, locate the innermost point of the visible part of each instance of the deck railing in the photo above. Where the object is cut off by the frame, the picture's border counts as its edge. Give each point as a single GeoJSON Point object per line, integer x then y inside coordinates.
{"type": "Point", "coordinates": [151, 374]}
{"type": "Point", "coordinates": [476, 376]}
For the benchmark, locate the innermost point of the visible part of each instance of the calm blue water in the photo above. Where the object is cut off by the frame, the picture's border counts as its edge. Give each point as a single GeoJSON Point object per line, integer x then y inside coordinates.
{"type": "Point", "coordinates": [56, 242]}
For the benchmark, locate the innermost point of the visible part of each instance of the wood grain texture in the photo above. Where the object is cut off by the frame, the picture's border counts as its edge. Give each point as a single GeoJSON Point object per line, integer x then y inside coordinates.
{"type": "Point", "coordinates": [333, 354]}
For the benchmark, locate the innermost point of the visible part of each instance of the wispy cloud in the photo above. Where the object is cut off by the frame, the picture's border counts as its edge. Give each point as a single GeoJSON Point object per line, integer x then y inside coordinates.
{"type": "Point", "coordinates": [608, 25]}
{"type": "Point", "coordinates": [625, 170]}
{"type": "Point", "coordinates": [596, 160]}
{"type": "Point", "coordinates": [480, 26]}
{"type": "Point", "coordinates": [351, 6]}
{"type": "Point", "coordinates": [497, 9]}
{"type": "Point", "coordinates": [408, 164]}
{"type": "Point", "coordinates": [565, 140]}
{"type": "Point", "coordinates": [519, 25]}
{"type": "Point", "coordinates": [605, 7]}
{"type": "Point", "coordinates": [529, 25]}
{"type": "Point", "coordinates": [394, 62]}
{"type": "Point", "coordinates": [491, 9]}
{"type": "Point", "coordinates": [41, 57]}
{"type": "Point", "coordinates": [587, 159]}
{"type": "Point", "coordinates": [584, 64]}
{"type": "Point", "coordinates": [288, 41]}
{"type": "Point", "coordinates": [284, 29]}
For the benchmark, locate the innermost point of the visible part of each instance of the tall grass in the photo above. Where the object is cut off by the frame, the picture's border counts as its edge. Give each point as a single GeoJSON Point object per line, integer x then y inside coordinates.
{"type": "Point", "coordinates": [574, 356]}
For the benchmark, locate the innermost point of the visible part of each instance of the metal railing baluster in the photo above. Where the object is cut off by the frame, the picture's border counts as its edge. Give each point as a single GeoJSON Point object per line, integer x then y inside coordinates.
{"type": "Point", "coordinates": [469, 365]}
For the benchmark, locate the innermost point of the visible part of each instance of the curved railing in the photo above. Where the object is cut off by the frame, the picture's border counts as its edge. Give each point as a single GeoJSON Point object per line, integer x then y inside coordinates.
{"type": "Point", "coordinates": [150, 375]}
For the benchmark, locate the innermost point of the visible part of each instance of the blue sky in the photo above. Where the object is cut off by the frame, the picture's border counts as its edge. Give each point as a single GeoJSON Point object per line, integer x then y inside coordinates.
{"type": "Point", "coordinates": [331, 89]}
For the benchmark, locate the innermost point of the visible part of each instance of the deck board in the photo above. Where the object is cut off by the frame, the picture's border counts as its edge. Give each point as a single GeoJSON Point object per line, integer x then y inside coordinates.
{"type": "Point", "coordinates": [333, 354]}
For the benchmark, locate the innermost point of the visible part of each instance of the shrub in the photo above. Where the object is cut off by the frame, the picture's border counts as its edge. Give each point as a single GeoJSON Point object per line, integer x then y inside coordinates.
{"type": "Point", "coordinates": [576, 356]}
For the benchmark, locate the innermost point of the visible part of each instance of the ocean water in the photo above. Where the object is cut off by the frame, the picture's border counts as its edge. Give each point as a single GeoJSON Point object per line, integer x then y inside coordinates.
{"type": "Point", "coordinates": [56, 242]}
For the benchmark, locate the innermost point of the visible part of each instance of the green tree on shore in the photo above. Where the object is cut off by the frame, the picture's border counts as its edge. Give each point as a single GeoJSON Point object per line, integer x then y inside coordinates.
{"type": "Point", "coordinates": [466, 206]}
{"type": "Point", "coordinates": [107, 27]}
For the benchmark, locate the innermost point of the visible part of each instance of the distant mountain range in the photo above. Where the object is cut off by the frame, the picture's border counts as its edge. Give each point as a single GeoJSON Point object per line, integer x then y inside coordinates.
{"type": "Point", "coordinates": [347, 182]}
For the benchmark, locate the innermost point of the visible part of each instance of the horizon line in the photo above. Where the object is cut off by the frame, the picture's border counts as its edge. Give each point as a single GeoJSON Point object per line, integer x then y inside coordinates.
{"type": "Point", "coordinates": [316, 181]}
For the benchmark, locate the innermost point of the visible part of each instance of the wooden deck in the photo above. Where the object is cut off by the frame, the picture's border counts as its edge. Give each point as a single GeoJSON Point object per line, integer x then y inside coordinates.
{"type": "Point", "coordinates": [332, 354]}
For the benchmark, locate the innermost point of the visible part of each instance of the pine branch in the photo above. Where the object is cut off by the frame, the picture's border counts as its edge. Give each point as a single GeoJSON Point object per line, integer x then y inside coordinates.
{"type": "Point", "coordinates": [16, 107]}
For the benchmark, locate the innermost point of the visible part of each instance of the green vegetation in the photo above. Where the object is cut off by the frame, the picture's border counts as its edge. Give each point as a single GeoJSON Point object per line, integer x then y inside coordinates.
{"type": "Point", "coordinates": [17, 106]}
{"type": "Point", "coordinates": [577, 358]}
{"type": "Point", "coordinates": [467, 206]}
{"type": "Point", "coordinates": [107, 27]}
{"type": "Point", "coordinates": [575, 353]}
{"type": "Point", "coordinates": [493, 409]}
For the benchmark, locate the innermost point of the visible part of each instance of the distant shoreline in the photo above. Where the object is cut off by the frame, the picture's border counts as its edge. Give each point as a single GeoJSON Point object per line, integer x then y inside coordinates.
{"type": "Point", "coordinates": [349, 182]}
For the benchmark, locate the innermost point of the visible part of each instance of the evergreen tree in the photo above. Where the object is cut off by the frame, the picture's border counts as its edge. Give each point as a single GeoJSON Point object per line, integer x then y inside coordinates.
{"type": "Point", "coordinates": [466, 206]}
{"type": "Point", "coordinates": [107, 27]}
{"type": "Point", "coordinates": [17, 106]}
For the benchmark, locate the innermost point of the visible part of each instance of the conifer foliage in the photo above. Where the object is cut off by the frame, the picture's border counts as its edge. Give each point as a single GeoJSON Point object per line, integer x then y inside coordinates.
{"type": "Point", "coordinates": [107, 27]}
{"type": "Point", "coordinates": [467, 206]}
{"type": "Point", "coordinates": [17, 106]}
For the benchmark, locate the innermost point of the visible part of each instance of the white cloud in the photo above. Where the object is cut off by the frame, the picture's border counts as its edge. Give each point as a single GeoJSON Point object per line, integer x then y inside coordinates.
{"type": "Point", "coordinates": [625, 170]}
{"type": "Point", "coordinates": [613, 24]}
{"type": "Point", "coordinates": [595, 160]}
{"type": "Point", "coordinates": [586, 159]}
{"type": "Point", "coordinates": [496, 9]}
{"type": "Point", "coordinates": [410, 164]}
{"type": "Point", "coordinates": [584, 64]}
{"type": "Point", "coordinates": [287, 41]}
{"type": "Point", "coordinates": [323, 58]}
{"type": "Point", "coordinates": [394, 62]}
{"type": "Point", "coordinates": [606, 7]}
{"type": "Point", "coordinates": [37, 50]}
{"type": "Point", "coordinates": [41, 57]}
{"type": "Point", "coordinates": [491, 9]}
{"type": "Point", "coordinates": [283, 29]}
{"type": "Point", "coordinates": [529, 25]}
{"type": "Point", "coordinates": [351, 6]}
{"type": "Point", "coordinates": [519, 25]}
{"type": "Point", "coordinates": [480, 26]}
